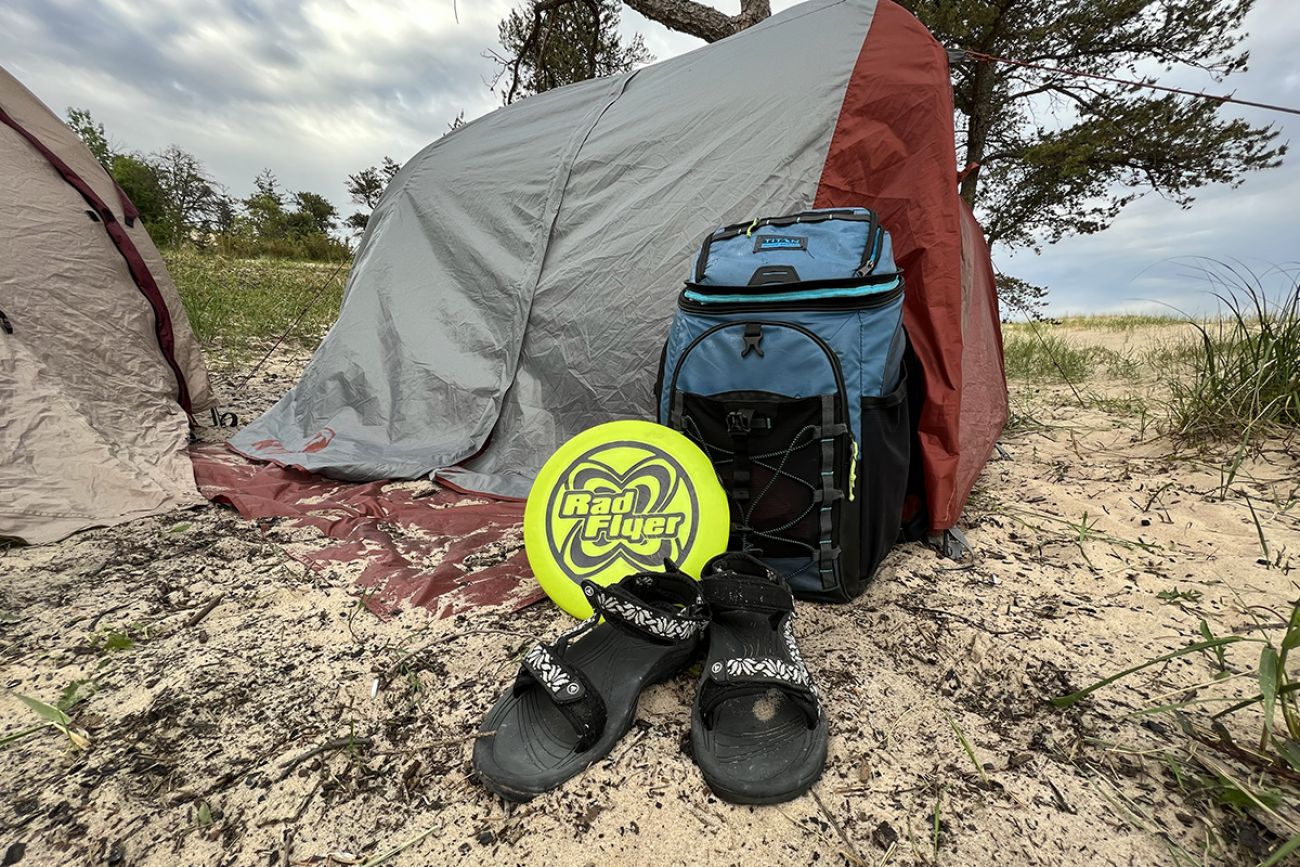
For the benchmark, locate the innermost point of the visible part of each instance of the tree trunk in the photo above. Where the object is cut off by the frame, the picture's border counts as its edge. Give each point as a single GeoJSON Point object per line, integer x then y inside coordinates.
{"type": "Point", "coordinates": [752, 12]}
{"type": "Point", "coordinates": [981, 111]}
{"type": "Point", "coordinates": [978, 123]}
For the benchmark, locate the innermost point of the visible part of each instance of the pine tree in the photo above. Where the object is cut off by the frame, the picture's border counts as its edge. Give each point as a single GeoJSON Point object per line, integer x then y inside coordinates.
{"type": "Point", "coordinates": [549, 44]}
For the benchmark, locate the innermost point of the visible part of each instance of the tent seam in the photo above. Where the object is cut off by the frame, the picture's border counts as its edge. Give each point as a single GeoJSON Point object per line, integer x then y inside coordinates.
{"type": "Point", "coordinates": [136, 267]}
{"type": "Point", "coordinates": [557, 194]}
{"type": "Point", "coordinates": [559, 206]}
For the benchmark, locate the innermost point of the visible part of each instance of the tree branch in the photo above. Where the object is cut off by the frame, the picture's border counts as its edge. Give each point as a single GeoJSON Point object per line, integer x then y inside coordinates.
{"type": "Point", "coordinates": [701, 21]}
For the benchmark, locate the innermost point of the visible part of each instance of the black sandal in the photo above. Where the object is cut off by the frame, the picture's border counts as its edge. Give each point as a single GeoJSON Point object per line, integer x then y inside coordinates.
{"type": "Point", "coordinates": [574, 699]}
{"type": "Point", "coordinates": [757, 731]}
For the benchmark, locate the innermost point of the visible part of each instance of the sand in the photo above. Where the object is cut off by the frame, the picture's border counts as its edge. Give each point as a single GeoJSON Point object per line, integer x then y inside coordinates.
{"type": "Point", "coordinates": [246, 710]}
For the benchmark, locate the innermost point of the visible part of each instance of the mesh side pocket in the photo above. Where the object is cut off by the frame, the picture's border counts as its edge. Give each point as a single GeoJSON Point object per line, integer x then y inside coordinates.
{"type": "Point", "coordinates": [883, 474]}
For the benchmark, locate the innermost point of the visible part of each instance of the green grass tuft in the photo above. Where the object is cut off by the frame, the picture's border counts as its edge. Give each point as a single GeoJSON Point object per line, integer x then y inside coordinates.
{"type": "Point", "coordinates": [1252, 768]}
{"type": "Point", "coordinates": [240, 305]}
{"type": "Point", "coordinates": [1239, 378]}
{"type": "Point", "coordinates": [1042, 357]}
{"type": "Point", "coordinates": [1118, 321]}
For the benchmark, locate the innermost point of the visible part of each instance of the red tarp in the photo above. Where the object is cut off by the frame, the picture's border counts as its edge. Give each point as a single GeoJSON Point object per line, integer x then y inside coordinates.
{"type": "Point", "coordinates": [447, 552]}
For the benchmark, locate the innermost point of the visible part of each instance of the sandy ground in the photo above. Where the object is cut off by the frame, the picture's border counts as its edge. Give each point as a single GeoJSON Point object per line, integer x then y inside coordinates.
{"type": "Point", "coordinates": [288, 725]}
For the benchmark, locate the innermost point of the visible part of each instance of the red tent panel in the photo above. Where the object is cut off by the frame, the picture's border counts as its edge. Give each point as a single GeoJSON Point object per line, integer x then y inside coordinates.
{"type": "Point", "coordinates": [984, 379]}
{"type": "Point", "coordinates": [893, 151]}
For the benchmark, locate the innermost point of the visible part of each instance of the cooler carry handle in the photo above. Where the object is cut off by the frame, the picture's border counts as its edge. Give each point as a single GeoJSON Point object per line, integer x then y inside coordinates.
{"type": "Point", "coordinates": [735, 230]}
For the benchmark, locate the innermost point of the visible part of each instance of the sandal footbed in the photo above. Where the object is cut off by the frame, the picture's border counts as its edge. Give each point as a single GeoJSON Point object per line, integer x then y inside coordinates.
{"type": "Point", "coordinates": [760, 749]}
{"type": "Point", "coordinates": [526, 746]}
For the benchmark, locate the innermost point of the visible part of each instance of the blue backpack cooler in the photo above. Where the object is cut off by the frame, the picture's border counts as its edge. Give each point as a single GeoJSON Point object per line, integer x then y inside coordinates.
{"type": "Point", "coordinates": [785, 365]}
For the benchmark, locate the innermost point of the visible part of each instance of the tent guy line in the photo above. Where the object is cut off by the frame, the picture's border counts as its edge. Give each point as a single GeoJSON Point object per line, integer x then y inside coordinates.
{"type": "Point", "coordinates": [288, 329]}
{"type": "Point", "coordinates": [959, 54]}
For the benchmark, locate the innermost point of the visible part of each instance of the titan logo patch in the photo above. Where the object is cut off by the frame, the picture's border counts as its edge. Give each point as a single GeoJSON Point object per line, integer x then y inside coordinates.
{"type": "Point", "coordinates": [769, 243]}
{"type": "Point", "coordinates": [623, 506]}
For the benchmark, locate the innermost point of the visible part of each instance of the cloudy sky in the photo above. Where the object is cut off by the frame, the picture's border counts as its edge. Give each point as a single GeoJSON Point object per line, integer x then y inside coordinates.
{"type": "Point", "coordinates": [317, 89]}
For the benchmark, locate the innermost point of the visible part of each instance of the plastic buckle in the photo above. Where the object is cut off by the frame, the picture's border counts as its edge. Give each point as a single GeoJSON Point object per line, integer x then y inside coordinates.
{"type": "Point", "coordinates": [740, 422]}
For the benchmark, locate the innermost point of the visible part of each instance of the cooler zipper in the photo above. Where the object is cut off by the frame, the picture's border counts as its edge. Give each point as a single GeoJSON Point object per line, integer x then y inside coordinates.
{"type": "Point", "coordinates": [871, 263]}
{"type": "Point", "coordinates": [862, 302]}
{"type": "Point", "coordinates": [875, 238]}
{"type": "Point", "coordinates": [802, 285]}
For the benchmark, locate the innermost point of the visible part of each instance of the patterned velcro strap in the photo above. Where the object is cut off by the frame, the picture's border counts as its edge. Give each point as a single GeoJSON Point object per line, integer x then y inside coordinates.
{"type": "Point", "coordinates": [750, 668]}
{"type": "Point", "coordinates": [568, 688]}
{"type": "Point", "coordinates": [662, 607]}
{"type": "Point", "coordinates": [557, 677]}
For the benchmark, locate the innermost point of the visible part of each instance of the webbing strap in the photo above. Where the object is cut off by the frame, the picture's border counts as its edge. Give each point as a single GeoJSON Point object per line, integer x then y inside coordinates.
{"type": "Point", "coordinates": [666, 607]}
{"type": "Point", "coordinates": [828, 552]}
{"type": "Point", "coordinates": [741, 475]}
{"type": "Point", "coordinates": [748, 593]}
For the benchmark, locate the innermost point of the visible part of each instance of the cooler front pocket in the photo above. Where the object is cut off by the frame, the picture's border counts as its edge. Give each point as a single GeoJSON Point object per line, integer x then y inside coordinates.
{"type": "Point", "coordinates": [783, 462]}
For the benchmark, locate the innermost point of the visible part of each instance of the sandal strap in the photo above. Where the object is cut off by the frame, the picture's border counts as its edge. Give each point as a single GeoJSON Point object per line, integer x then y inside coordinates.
{"type": "Point", "coordinates": [631, 604]}
{"type": "Point", "coordinates": [568, 688]}
{"type": "Point", "coordinates": [765, 667]}
{"type": "Point", "coordinates": [731, 592]}
{"type": "Point", "coordinates": [741, 676]}
{"type": "Point", "coordinates": [737, 678]}
{"type": "Point", "coordinates": [739, 581]}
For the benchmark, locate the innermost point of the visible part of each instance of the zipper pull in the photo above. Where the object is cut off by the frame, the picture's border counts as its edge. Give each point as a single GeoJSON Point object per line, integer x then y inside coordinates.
{"type": "Point", "coordinates": [853, 472]}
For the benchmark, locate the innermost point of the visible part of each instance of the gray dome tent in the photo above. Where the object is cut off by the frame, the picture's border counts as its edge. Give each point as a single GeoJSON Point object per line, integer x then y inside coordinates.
{"type": "Point", "coordinates": [516, 282]}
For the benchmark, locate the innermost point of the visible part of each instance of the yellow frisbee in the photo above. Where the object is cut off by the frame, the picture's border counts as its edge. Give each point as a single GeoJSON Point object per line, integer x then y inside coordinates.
{"type": "Point", "coordinates": [616, 499]}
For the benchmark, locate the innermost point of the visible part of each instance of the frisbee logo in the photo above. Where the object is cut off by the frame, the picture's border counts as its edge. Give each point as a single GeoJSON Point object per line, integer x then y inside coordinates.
{"type": "Point", "coordinates": [617, 516]}
{"type": "Point", "coordinates": [625, 504]}
{"type": "Point", "coordinates": [619, 498]}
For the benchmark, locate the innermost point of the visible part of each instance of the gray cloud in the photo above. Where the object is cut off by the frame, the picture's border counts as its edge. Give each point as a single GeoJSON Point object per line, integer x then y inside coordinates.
{"type": "Point", "coordinates": [313, 90]}
{"type": "Point", "coordinates": [320, 88]}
